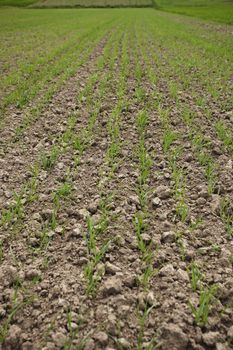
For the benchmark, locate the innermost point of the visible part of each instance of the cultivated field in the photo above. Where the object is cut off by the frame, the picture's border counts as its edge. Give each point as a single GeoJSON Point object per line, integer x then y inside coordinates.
{"type": "Point", "coordinates": [93, 3]}
{"type": "Point", "coordinates": [213, 10]}
{"type": "Point", "coordinates": [116, 181]}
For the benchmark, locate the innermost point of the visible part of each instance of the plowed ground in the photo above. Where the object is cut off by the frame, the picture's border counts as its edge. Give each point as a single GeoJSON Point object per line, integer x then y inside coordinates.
{"type": "Point", "coordinates": [116, 147]}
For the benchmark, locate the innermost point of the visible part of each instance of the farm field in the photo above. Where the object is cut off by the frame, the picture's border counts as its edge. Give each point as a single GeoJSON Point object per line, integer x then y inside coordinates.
{"type": "Point", "coordinates": [91, 3]}
{"type": "Point", "coordinates": [76, 3]}
{"type": "Point", "coordinates": [116, 181]}
{"type": "Point", "coordinates": [217, 11]}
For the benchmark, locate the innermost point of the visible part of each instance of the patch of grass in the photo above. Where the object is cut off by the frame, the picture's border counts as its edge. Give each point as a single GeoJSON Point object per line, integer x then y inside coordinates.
{"type": "Point", "coordinates": [211, 10]}
{"type": "Point", "coordinates": [218, 13]}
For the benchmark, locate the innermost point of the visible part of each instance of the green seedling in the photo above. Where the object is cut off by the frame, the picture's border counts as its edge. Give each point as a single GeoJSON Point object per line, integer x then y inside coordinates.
{"type": "Point", "coordinates": [138, 72]}
{"type": "Point", "coordinates": [181, 245]}
{"type": "Point", "coordinates": [4, 328]}
{"type": "Point", "coordinates": [173, 156]}
{"type": "Point", "coordinates": [142, 121]}
{"type": "Point", "coordinates": [195, 224]}
{"type": "Point", "coordinates": [182, 210]}
{"type": "Point", "coordinates": [225, 135]}
{"type": "Point", "coordinates": [216, 248]}
{"type": "Point", "coordinates": [173, 90]}
{"type": "Point", "coordinates": [1, 251]}
{"type": "Point", "coordinates": [73, 333]}
{"type": "Point", "coordinates": [210, 170]}
{"type": "Point", "coordinates": [48, 161]}
{"type": "Point", "coordinates": [195, 276]}
{"type": "Point", "coordinates": [63, 191]}
{"type": "Point", "coordinates": [79, 144]}
{"type": "Point", "coordinates": [140, 94]}
{"type": "Point", "coordinates": [91, 236]}
{"type": "Point", "coordinates": [145, 163]}
{"type": "Point", "coordinates": [142, 323]}
{"type": "Point", "coordinates": [139, 223]}
{"type": "Point", "coordinates": [188, 117]}
{"type": "Point", "coordinates": [44, 239]}
{"type": "Point", "coordinates": [32, 184]}
{"type": "Point", "coordinates": [226, 215]}
{"type": "Point", "coordinates": [15, 211]}
{"type": "Point", "coordinates": [201, 312]}
{"type": "Point", "coordinates": [149, 270]}
{"type": "Point", "coordinates": [200, 142]}
{"type": "Point", "coordinates": [92, 276]}
{"type": "Point", "coordinates": [163, 115]}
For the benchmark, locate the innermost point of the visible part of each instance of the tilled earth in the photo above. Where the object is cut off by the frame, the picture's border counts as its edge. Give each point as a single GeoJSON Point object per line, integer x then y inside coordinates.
{"type": "Point", "coordinates": [77, 269]}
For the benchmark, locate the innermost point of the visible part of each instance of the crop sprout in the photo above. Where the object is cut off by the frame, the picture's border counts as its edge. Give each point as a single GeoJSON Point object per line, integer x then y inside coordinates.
{"type": "Point", "coordinates": [201, 312]}
{"type": "Point", "coordinates": [226, 215]}
{"type": "Point", "coordinates": [143, 317]}
{"type": "Point", "coordinates": [195, 276]}
{"type": "Point", "coordinates": [48, 160]}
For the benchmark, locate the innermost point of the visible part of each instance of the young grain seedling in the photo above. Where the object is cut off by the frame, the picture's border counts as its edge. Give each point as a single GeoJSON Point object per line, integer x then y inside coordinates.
{"type": "Point", "coordinates": [195, 276]}
{"type": "Point", "coordinates": [139, 223]}
{"type": "Point", "coordinates": [4, 328]}
{"type": "Point", "coordinates": [48, 160]}
{"type": "Point", "coordinates": [15, 211]}
{"type": "Point", "coordinates": [168, 138]}
{"type": "Point", "coordinates": [145, 161]}
{"type": "Point", "coordinates": [149, 270]}
{"type": "Point", "coordinates": [73, 334]}
{"type": "Point", "coordinates": [92, 276]}
{"type": "Point", "coordinates": [142, 323]}
{"type": "Point", "coordinates": [226, 215]}
{"type": "Point", "coordinates": [63, 191]}
{"type": "Point", "coordinates": [31, 187]}
{"type": "Point", "coordinates": [182, 210]}
{"type": "Point", "coordinates": [1, 251]}
{"type": "Point", "coordinates": [225, 136]}
{"type": "Point", "coordinates": [201, 312]}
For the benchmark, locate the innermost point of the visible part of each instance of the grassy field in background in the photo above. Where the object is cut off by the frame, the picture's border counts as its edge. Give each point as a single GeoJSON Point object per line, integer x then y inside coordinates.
{"type": "Point", "coordinates": [77, 3]}
{"type": "Point", "coordinates": [92, 3]}
{"type": "Point", "coordinates": [215, 10]}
